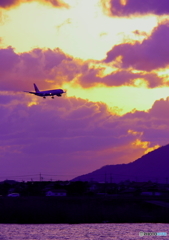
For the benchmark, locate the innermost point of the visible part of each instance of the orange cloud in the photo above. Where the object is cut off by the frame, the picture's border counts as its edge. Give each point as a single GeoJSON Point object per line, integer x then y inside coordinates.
{"type": "Point", "coordinates": [145, 145]}
{"type": "Point", "coordinates": [12, 3]}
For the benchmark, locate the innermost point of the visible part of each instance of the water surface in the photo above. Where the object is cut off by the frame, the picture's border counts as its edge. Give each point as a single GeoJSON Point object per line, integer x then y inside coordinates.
{"type": "Point", "coordinates": [104, 231]}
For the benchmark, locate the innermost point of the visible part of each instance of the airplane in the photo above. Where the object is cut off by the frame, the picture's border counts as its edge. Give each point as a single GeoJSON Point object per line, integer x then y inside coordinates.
{"type": "Point", "coordinates": [52, 93]}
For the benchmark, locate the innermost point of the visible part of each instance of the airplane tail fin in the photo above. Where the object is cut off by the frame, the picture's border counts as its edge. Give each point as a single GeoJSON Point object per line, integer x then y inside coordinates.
{"type": "Point", "coordinates": [36, 88]}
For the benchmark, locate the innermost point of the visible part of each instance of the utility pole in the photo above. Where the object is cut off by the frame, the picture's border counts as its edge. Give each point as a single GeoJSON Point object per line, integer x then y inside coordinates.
{"type": "Point", "coordinates": [105, 178]}
{"type": "Point", "coordinates": [110, 177]}
{"type": "Point", "coordinates": [40, 176]}
{"type": "Point", "coordinates": [105, 185]}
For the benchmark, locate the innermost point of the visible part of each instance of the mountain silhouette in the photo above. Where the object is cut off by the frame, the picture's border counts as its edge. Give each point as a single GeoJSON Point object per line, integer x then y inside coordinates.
{"type": "Point", "coordinates": [153, 166]}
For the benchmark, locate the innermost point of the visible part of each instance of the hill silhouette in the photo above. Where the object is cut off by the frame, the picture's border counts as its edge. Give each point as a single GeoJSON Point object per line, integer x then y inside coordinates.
{"type": "Point", "coordinates": [153, 166]}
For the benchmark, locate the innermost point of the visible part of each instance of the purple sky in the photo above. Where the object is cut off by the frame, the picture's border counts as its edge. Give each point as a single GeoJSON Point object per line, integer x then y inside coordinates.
{"type": "Point", "coordinates": [70, 136]}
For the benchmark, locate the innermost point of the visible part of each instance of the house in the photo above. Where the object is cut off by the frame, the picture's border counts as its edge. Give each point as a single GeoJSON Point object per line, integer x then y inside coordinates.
{"type": "Point", "coordinates": [56, 193]}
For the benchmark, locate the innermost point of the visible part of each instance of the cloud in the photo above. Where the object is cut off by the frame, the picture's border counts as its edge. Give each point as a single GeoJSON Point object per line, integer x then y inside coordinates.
{"type": "Point", "coordinates": [63, 131]}
{"type": "Point", "coordinates": [140, 7]}
{"type": "Point", "coordinates": [152, 53]}
{"type": "Point", "coordinates": [12, 3]}
{"type": "Point", "coordinates": [74, 135]}
{"type": "Point", "coordinates": [119, 78]}
{"type": "Point", "coordinates": [48, 67]}
{"type": "Point", "coordinates": [19, 70]}
{"type": "Point", "coordinates": [52, 130]}
{"type": "Point", "coordinates": [8, 59]}
{"type": "Point", "coordinates": [153, 124]}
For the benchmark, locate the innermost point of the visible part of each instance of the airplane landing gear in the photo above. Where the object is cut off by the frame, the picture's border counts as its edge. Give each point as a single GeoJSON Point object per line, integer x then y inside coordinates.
{"type": "Point", "coordinates": [52, 97]}
{"type": "Point", "coordinates": [44, 97]}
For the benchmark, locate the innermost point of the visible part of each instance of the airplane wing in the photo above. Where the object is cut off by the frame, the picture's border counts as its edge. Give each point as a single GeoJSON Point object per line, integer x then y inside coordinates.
{"type": "Point", "coordinates": [30, 92]}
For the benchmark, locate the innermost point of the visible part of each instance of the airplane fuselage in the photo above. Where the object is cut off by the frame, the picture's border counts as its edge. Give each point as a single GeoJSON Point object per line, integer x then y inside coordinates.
{"type": "Point", "coordinates": [57, 92]}
{"type": "Point", "coordinates": [44, 94]}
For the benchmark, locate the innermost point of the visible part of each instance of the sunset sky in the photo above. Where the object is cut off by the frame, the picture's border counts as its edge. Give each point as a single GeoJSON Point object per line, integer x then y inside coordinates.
{"type": "Point", "coordinates": [111, 56]}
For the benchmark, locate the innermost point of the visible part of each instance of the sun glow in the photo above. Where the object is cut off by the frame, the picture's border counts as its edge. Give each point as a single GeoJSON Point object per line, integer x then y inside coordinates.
{"type": "Point", "coordinates": [150, 149]}
{"type": "Point", "coordinates": [134, 132]}
{"type": "Point", "coordinates": [35, 25]}
{"type": "Point", "coordinates": [119, 99]}
{"type": "Point", "coordinates": [32, 25]}
{"type": "Point", "coordinates": [123, 2]}
{"type": "Point", "coordinates": [33, 102]}
{"type": "Point", "coordinates": [144, 145]}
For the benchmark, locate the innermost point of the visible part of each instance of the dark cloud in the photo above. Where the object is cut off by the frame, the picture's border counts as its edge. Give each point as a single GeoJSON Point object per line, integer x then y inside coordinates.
{"type": "Point", "coordinates": [119, 78]}
{"type": "Point", "coordinates": [11, 3]}
{"type": "Point", "coordinates": [56, 130]}
{"type": "Point", "coordinates": [139, 7]}
{"type": "Point", "coordinates": [18, 71]}
{"type": "Point", "coordinates": [74, 134]}
{"type": "Point", "coordinates": [8, 3]}
{"type": "Point", "coordinates": [8, 59]}
{"type": "Point", "coordinates": [153, 123]}
{"type": "Point", "coordinates": [159, 109]}
{"type": "Point", "coordinates": [48, 67]}
{"type": "Point", "coordinates": [152, 53]}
